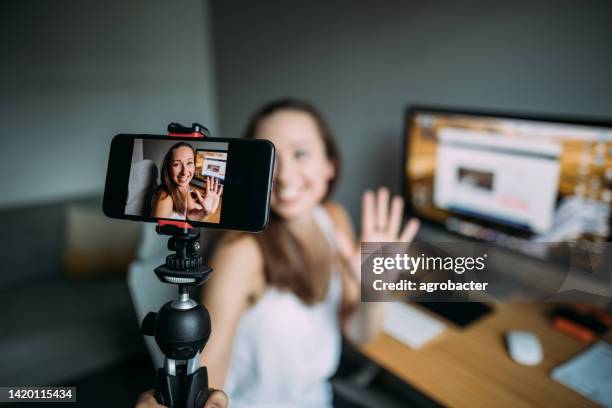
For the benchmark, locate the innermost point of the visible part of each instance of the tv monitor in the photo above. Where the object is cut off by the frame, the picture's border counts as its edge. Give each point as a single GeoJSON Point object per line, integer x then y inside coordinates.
{"type": "Point", "coordinates": [509, 179]}
{"type": "Point", "coordinates": [210, 163]}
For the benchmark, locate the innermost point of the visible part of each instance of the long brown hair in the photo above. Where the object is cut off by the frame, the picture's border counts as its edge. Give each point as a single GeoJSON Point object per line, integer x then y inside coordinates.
{"type": "Point", "coordinates": [168, 185]}
{"type": "Point", "coordinates": [301, 267]}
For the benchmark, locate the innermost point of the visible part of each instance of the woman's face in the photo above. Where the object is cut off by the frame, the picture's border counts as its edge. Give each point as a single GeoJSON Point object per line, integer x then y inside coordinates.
{"type": "Point", "coordinates": [302, 169]}
{"type": "Point", "coordinates": [182, 166]}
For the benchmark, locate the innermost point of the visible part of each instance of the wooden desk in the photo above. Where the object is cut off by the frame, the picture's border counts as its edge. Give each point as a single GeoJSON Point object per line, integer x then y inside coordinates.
{"type": "Point", "coordinates": [471, 367]}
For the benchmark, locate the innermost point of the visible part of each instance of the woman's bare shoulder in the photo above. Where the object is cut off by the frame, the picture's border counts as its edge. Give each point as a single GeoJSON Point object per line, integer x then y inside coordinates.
{"type": "Point", "coordinates": [162, 204]}
{"type": "Point", "coordinates": [335, 209]}
{"type": "Point", "coordinates": [237, 242]}
{"type": "Point", "coordinates": [238, 256]}
{"type": "Point", "coordinates": [161, 196]}
{"type": "Point", "coordinates": [339, 216]}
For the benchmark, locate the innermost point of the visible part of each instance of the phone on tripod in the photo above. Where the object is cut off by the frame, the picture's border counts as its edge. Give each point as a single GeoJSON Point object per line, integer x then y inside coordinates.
{"type": "Point", "coordinates": [184, 181]}
{"type": "Point", "coordinates": [207, 182]}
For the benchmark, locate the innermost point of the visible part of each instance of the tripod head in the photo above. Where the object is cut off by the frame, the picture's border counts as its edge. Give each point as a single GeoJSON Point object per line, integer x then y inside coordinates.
{"type": "Point", "coordinates": [182, 327]}
{"type": "Point", "coordinates": [185, 267]}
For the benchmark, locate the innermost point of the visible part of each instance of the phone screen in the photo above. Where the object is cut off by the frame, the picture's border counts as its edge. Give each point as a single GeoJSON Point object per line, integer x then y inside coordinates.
{"type": "Point", "coordinates": [183, 179]}
{"type": "Point", "coordinates": [223, 183]}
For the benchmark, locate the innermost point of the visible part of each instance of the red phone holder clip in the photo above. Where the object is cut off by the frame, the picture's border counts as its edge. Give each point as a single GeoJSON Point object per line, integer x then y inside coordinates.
{"type": "Point", "coordinates": [177, 130]}
{"type": "Point", "coordinates": [196, 130]}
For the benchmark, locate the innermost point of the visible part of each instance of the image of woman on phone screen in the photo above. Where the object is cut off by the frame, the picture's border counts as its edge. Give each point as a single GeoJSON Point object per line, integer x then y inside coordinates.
{"type": "Point", "coordinates": [280, 300]}
{"type": "Point", "coordinates": [175, 198]}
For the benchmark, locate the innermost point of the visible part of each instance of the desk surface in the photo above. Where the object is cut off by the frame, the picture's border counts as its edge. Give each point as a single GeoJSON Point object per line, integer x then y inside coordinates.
{"type": "Point", "coordinates": [471, 367]}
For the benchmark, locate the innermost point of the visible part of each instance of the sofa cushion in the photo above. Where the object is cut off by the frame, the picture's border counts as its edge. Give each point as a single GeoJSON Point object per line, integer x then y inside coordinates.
{"type": "Point", "coordinates": [95, 244]}
{"type": "Point", "coordinates": [62, 330]}
{"type": "Point", "coordinates": [31, 244]}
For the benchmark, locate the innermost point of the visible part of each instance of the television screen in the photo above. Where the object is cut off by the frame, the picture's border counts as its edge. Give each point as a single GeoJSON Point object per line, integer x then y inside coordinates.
{"type": "Point", "coordinates": [510, 179]}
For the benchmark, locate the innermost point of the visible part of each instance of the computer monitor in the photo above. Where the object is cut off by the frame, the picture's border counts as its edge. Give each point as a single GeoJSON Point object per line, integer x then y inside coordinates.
{"type": "Point", "coordinates": [509, 179]}
{"type": "Point", "coordinates": [210, 164]}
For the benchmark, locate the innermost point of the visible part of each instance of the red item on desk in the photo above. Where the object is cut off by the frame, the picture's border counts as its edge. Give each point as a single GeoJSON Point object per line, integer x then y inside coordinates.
{"type": "Point", "coordinates": [573, 329]}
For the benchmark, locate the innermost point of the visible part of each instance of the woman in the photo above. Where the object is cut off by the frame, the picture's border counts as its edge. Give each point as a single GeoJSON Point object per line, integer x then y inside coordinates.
{"type": "Point", "coordinates": [279, 300]}
{"type": "Point", "coordinates": [174, 197]}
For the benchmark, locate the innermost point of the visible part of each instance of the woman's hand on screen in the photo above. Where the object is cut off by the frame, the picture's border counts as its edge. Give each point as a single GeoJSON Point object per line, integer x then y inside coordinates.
{"type": "Point", "coordinates": [214, 190]}
{"type": "Point", "coordinates": [209, 202]}
{"type": "Point", "coordinates": [216, 399]}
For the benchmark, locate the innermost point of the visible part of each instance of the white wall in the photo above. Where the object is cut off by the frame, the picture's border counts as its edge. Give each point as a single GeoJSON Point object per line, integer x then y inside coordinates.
{"type": "Point", "coordinates": [75, 73]}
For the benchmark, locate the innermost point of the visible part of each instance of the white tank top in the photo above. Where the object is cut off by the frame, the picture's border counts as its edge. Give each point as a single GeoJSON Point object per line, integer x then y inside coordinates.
{"type": "Point", "coordinates": [285, 351]}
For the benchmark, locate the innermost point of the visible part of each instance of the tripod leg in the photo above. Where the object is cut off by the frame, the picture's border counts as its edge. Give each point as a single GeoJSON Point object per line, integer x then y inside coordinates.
{"type": "Point", "coordinates": [196, 388]}
{"type": "Point", "coordinates": [168, 389]}
{"type": "Point", "coordinates": [177, 386]}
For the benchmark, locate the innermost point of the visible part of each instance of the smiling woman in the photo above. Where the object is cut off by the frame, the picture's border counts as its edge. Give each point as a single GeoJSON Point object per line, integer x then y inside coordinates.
{"type": "Point", "coordinates": [174, 198]}
{"type": "Point", "coordinates": [279, 300]}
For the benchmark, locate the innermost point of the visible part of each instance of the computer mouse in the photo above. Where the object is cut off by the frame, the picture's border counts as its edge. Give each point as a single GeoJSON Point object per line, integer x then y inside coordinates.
{"type": "Point", "coordinates": [524, 347]}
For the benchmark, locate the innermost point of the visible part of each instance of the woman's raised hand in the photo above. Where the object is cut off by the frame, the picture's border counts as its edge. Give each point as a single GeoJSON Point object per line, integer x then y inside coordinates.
{"type": "Point", "coordinates": [380, 222]}
{"type": "Point", "coordinates": [213, 195]}
{"type": "Point", "coordinates": [210, 201]}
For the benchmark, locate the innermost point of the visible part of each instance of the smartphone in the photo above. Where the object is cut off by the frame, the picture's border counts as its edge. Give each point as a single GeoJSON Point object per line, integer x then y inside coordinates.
{"type": "Point", "coordinates": [208, 182]}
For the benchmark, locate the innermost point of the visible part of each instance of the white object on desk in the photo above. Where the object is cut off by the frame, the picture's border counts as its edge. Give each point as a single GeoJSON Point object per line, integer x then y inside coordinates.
{"type": "Point", "coordinates": [524, 347]}
{"type": "Point", "coordinates": [409, 325]}
{"type": "Point", "coordinates": [589, 374]}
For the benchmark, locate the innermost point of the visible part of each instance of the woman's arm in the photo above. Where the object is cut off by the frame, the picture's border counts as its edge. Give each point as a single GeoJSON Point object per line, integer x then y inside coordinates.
{"type": "Point", "coordinates": [381, 221]}
{"type": "Point", "coordinates": [360, 321]}
{"type": "Point", "coordinates": [345, 237]}
{"type": "Point", "coordinates": [237, 278]}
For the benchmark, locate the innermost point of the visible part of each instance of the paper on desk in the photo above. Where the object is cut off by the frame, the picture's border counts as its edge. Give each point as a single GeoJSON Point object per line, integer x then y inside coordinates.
{"type": "Point", "coordinates": [589, 374]}
{"type": "Point", "coordinates": [409, 325]}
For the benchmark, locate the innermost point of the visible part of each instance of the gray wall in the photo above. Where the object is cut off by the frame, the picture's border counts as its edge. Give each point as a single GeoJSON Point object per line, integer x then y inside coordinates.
{"type": "Point", "coordinates": [363, 62]}
{"type": "Point", "coordinates": [74, 73]}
